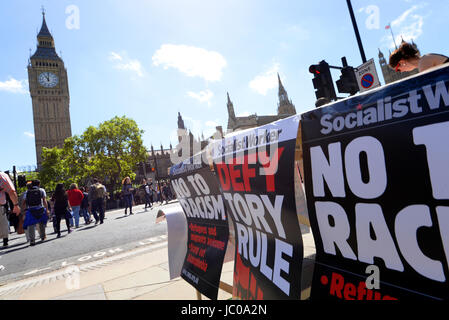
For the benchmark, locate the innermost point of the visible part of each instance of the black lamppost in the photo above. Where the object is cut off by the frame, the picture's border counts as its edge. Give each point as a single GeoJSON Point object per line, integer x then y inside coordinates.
{"type": "Point", "coordinates": [356, 30]}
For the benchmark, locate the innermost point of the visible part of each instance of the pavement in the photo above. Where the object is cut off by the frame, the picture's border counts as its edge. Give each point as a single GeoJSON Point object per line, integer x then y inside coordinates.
{"type": "Point", "coordinates": [139, 274]}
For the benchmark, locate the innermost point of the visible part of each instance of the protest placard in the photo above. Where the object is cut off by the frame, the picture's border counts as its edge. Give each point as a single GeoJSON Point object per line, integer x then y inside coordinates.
{"type": "Point", "coordinates": [377, 188]}
{"type": "Point", "coordinates": [255, 169]}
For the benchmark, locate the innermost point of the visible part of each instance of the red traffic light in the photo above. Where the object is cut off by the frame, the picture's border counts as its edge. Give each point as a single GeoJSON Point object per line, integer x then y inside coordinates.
{"type": "Point", "coordinates": [314, 69]}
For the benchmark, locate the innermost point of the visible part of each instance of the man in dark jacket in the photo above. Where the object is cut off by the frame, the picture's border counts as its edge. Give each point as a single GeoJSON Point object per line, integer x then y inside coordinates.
{"type": "Point", "coordinates": [96, 196]}
{"type": "Point", "coordinates": [37, 211]}
{"type": "Point", "coordinates": [85, 207]}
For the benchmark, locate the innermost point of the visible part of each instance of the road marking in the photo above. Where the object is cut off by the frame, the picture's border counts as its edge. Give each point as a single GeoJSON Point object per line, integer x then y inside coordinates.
{"type": "Point", "coordinates": [147, 241]}
{"type": "Point", "coordinates": [35, 271]}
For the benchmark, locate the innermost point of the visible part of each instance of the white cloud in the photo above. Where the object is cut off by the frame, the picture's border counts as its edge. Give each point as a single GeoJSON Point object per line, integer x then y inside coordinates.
{"type": "Point", "coordinates": [202, 96]}
{"type": "Point", "coordinates": [14, 86]}
{"type": "Point", "coordinates": [123, 62]}
{"type": "Point", "coordinates": [115, 56]}
{"type": "Point", "coordinates": [408, 26]}
{"type": "Point", "coordinates": [192, 61]}
{"type": "Point", "coordinates": [265, 81]}
{"type": "Point", "coordinates": [29, 134]}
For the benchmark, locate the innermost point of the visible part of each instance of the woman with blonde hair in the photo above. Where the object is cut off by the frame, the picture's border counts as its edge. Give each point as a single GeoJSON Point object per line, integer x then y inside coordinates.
{"type": "Point", "coordinates": [127, 193]}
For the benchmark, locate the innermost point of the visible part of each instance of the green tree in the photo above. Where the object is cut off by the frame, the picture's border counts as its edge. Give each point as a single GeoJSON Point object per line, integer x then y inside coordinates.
{"type": "Point", "coordinates": [109, 152]}
{"type": "Point", "coordinates": [53, 169]}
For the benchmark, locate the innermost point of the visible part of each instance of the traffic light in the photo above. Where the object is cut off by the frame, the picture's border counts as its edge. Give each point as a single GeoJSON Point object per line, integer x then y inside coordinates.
{"type": "Point", "coordinates": [22, 180]}
{"type": "Point", "coordinates": [348, 81]}
{"type": "Point", "coordinates": [322, 81]}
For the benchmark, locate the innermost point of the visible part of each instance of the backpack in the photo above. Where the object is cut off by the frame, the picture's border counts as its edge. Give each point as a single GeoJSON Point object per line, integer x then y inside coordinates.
{"type": "Point", "coordinates": [34, 197]}
{"type": "Point", "coordinates": [98, 191]}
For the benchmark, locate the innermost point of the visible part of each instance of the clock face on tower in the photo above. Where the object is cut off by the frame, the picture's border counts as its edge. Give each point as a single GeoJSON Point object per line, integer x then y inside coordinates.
{"type": "Point", "coordinates": [48, 79]}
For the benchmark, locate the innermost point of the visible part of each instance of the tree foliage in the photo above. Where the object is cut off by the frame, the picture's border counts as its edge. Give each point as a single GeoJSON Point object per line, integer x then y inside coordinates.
{"type": "Point", "coordinates": [109, 152]}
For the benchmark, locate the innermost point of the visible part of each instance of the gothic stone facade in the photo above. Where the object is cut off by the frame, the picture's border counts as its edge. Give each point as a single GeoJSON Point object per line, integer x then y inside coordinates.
{"type": "Point", "coordinates": [285, 109]}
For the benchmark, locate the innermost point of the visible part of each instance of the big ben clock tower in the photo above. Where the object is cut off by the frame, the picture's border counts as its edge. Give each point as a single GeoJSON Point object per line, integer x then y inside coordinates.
{"type": "Point", "coordinates": [49, 91]}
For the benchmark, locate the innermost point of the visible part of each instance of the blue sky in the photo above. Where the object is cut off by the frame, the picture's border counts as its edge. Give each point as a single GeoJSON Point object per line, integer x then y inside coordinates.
{"type": "Point", "coordinates": [149, 60]}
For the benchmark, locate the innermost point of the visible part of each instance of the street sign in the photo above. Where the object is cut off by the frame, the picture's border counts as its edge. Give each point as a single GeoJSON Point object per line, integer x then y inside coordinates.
{"type": "Point", "coordinates": [367, 81]}
{"type": "Point", "coordinates": [367, 77]}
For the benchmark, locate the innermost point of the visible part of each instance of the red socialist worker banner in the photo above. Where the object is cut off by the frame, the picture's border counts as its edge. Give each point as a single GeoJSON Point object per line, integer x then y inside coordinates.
{"type": "Point", "coordinates": [254, 168]}
{"type": "Point", "coordinates": [207, 227]}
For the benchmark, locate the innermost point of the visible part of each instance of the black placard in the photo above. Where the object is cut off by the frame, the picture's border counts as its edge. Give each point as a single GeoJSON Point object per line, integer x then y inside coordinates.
{"type": "Point", "coordinates": [377, 187]}
{"type": "Point", "coordinates": [255, 171]}
{"type": "Point", "coordinates": [199, 195]}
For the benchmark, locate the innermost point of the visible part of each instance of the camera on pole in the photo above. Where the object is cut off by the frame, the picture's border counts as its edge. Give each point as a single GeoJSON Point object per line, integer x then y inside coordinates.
{"type": "Point", "coordinates": [322, 81]}
{"type": "Point", "coordinates": [348, 80]}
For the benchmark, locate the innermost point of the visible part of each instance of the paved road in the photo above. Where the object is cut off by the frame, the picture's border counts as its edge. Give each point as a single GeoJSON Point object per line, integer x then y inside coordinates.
{"type": "Point", "coordinates": [117, 234]}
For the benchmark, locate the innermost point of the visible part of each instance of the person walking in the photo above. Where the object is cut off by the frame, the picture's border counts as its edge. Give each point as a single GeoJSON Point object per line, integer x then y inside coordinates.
{"type": "Point", "coordinates": [6, 187]}
{"type": "Point", "coordinates": [159, 194]}
{"type": "Point", "coordinates": [85, 206]}
{"type": "Point", "coordinates": [97, 192]}
{"type": "Point", "coordinates": [36, 212]}
{"type": "Point", "coordinates": [13, 219]}
{"type": "Point", "coordinates": [151, 188]}
{"type": "Point", "coordinates": [23, 209]}
{"type": "Point", "coordinates": [75, 199]}
{"type": "Point", "coordinates": [127, 193]}
{"type": "Point", "coordinates": [62, 207]}
{"type": "Point", "coordinates": [165, 193]}
{"type": "Point", "coordinates": [147, 190]}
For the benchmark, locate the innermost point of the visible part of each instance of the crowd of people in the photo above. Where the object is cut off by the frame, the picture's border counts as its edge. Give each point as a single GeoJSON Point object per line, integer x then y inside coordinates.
{"type": "Point", "coordinates": [33, 209]}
